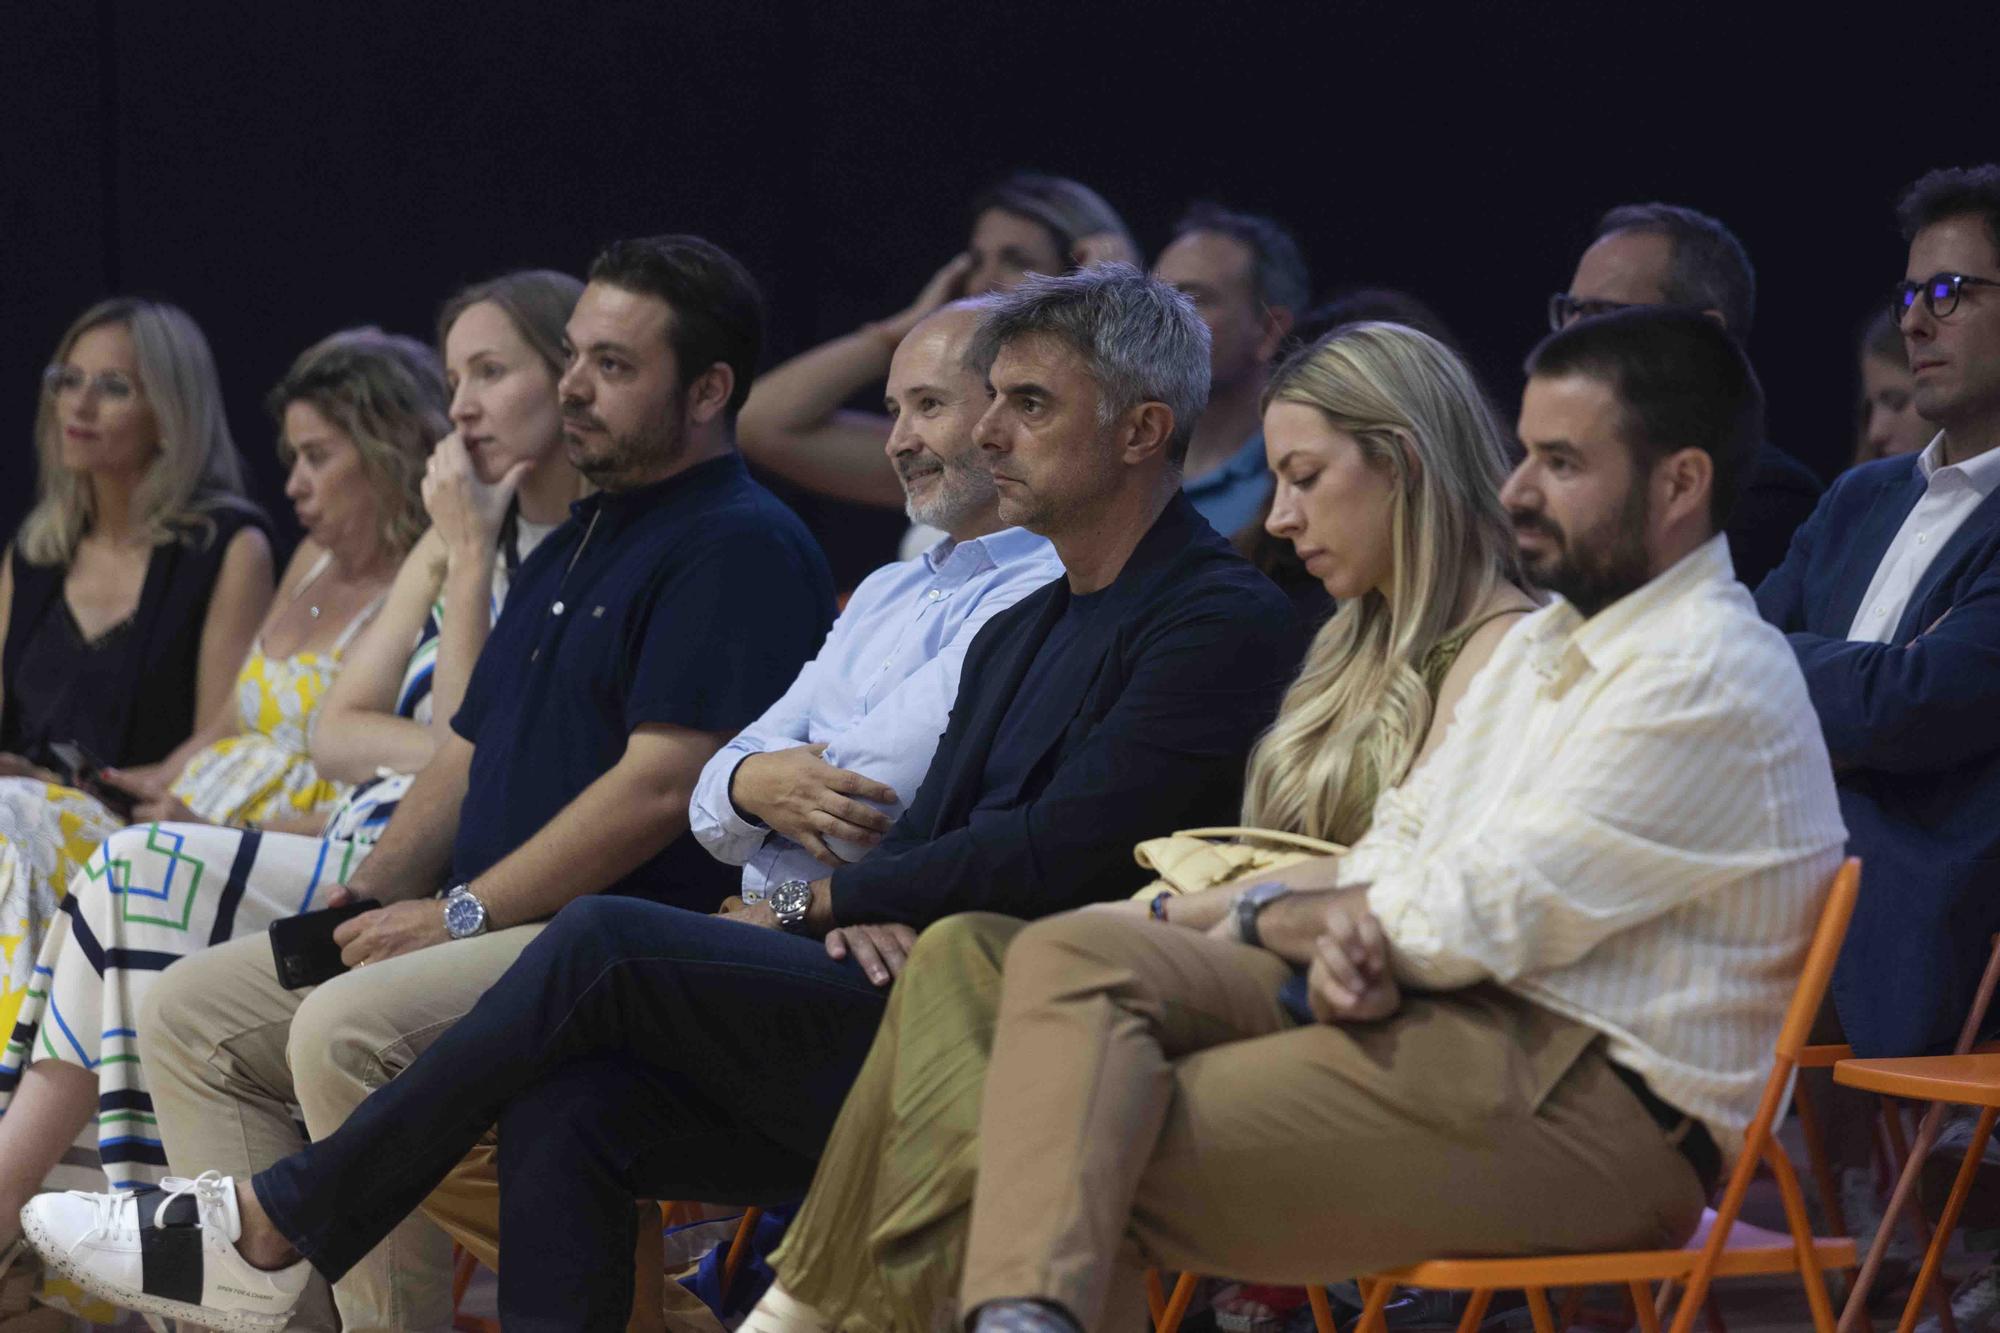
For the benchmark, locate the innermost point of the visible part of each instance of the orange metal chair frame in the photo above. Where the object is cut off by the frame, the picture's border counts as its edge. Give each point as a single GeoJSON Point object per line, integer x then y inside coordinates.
{"type": "Point", "coordinates": [1695, 1265]}
{"type": "Point", "coordinates": [1968, 1077]}
{"type": "Point", "coordinates": [739, 1249]}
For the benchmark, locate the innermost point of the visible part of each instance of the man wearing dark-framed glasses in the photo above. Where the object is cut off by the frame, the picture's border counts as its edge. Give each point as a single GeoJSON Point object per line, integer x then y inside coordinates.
{"type": "Point", "coordinates": [1891, 599]}
{"type": "Point", "coordinates": [1667, 254]}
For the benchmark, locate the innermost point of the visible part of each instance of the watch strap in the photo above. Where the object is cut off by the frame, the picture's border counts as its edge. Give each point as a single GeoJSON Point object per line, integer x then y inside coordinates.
{"type": "Point", "coordinates": [1250, 903]}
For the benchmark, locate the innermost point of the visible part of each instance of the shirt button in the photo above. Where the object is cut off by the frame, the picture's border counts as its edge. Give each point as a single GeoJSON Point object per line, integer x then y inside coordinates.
{"type": "Point", "coordinates": [935, 594]}
{"type": "Point", "coordinates": [557, 609]}
{"type": "Point", "coordinates": [1922, 538]}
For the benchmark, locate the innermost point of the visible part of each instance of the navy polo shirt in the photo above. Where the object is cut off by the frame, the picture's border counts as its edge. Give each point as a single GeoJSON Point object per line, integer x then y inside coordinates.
{"type": "Point", "coordinates": [692, 602]}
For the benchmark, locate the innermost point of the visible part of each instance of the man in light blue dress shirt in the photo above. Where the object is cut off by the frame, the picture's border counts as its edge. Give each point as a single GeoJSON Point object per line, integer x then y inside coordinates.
{"type": "Point", "coordinates": [818, 779]}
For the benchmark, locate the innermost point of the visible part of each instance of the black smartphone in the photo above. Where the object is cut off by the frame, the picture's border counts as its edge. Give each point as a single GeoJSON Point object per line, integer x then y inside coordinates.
{"type": "Point", "coordinates": [82, 770]}
{"type": "Point", "coordinates": [304, 948]}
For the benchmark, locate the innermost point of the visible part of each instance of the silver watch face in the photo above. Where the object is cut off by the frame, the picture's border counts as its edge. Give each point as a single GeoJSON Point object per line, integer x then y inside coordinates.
{"type": "Point", "coordinates": [791, 900]}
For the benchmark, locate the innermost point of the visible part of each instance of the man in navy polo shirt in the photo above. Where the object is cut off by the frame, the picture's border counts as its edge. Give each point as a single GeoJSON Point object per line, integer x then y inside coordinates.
{"type": "Point", "coordinates": [678, 602]}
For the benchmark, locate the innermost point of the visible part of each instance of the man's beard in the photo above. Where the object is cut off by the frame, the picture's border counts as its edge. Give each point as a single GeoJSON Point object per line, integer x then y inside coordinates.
{"type": "Point", "coordinates": [616, 462]}
{"type": "Point", "coordinates": [962, 489]}
{"type": "Point", "coordinates": [1595, 568]}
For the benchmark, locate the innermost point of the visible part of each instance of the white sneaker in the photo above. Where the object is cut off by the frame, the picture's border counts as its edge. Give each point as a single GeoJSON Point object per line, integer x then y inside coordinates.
{"type": "Point", "coordinates": [1975, 1306]}
{"type": "Point", "coordinates": [169, 1251]}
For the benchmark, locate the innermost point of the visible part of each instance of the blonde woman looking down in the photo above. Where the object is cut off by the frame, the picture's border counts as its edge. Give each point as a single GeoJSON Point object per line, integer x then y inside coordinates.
{"type": "Point", "coordinates": [493, 488]}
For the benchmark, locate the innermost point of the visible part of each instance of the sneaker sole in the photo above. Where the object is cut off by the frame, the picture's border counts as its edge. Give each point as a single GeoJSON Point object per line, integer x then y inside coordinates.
{"type": "Point", "coordinates": [229, 1321]}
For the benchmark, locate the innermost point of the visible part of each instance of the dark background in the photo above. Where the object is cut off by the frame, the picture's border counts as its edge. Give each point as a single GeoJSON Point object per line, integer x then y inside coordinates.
{"type": "Point", "coordinates": [285, 169]}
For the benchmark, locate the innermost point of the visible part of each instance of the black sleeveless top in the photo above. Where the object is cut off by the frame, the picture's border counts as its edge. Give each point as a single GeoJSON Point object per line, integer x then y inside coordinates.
{"type": "Point", "coordinates": [127, 697]}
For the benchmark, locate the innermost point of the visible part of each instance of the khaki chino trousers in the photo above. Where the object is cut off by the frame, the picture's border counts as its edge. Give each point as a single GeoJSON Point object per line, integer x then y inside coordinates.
{"type": "Point", "coordinates": [1127, 1093]}
{"type": "Point", "coordinates": [229, 1052]}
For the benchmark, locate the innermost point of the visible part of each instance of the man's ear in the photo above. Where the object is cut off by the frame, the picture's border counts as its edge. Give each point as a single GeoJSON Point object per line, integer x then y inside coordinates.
{"type": "Point", "coordinates": [1278, 324]}
{"type": "Point", "coordinates": [1147, 430]}
{"type": "Point", "coordinates": [708, 396]}
{"type": "Point", "coordinates": [1686, 480]}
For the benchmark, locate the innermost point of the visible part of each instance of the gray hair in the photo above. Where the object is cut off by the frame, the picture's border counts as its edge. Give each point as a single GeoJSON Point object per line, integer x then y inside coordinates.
{"type": "Point", "coordinates": [1140, 339]}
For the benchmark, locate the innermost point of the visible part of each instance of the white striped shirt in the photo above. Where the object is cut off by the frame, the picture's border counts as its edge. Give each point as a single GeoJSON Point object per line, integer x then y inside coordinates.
{"type": "Point", "coordinates": [1631, 822]}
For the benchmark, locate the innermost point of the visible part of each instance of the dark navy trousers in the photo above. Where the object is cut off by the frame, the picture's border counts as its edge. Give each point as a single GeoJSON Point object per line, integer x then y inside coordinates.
{"type": "Point", "coordinates": [633, 1051]}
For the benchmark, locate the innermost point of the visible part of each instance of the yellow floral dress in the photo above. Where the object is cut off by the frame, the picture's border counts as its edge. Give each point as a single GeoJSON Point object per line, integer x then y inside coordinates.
{"type": "Point", "coordinates": [265, 771]}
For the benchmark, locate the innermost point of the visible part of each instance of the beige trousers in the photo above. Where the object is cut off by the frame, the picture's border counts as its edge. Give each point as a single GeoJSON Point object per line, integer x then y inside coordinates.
{"type": "Point", "coordinates": [229, 1052]}
{"type": "Point", "coordinates": [1142, 1099]}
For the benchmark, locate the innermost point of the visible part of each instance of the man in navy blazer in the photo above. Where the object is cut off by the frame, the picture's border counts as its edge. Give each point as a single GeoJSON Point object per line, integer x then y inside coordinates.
{"type": "Point", "coordinates": [637, 1050]}
{"type": "Point", "coordinates": [1891, 598]}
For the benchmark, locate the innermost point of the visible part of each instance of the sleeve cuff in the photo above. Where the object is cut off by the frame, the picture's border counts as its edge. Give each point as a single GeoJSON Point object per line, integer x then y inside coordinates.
{"type": "Point", "coordinates": [1403, 916]}
{"type": "Point", "coordinates": [733, 819]}
{"type": "Point", "coordinates": [714, 819]}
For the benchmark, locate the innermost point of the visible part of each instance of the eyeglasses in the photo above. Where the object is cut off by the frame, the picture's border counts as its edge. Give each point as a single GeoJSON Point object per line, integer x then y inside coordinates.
{"type": "Point", "coordinates": [1564, 309]}
{"type": "Point", "coordinates": [109, 385]}
{"type": "Point", "coordinates": [1940, 292]}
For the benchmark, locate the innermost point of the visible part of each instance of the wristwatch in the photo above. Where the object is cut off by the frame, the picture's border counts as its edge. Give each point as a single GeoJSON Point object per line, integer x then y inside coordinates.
{"type": "Point", "coordinates": [791, 901]}
{"type": "Point", "coordinates": [1252, 901]}
{"type": "Point", "coordinates": [464, 914]}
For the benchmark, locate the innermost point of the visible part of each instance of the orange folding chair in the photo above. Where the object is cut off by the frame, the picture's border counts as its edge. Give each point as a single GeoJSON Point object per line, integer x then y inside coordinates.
{"type": "Point", "coordinates": [1724, 1246]}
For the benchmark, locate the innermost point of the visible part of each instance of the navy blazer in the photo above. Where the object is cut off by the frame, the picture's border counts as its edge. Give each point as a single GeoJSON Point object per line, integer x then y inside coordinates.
{"type": "Point", "coordinates": [1198, 648]}
{"type": "Point", "coordinates": [1913, 727]}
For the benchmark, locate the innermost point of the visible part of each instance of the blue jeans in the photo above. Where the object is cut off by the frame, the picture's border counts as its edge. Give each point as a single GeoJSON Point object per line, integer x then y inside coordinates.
{"type": "Point", "coordinates": [633, 1050]}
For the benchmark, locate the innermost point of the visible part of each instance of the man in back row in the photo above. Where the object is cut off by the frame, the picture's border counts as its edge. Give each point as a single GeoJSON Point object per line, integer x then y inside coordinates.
{"type": "Point", "coordinates": [1248, 282]}
{"type": "Point", "coordinates": [644, 1051]}
{"type": "Point", "coordinates": [1666, 254]}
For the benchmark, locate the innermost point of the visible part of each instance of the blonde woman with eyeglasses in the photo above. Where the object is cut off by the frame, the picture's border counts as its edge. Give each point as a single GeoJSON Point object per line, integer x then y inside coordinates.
{"type": "Point", "coordinates": [130, 593]}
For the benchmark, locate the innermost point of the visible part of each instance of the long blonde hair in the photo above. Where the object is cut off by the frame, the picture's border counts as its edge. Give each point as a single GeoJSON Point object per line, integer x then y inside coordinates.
{"type": "Point", "coordinates": [197, 469]}
{"type": "Point", "coordinates": [1355, 719]}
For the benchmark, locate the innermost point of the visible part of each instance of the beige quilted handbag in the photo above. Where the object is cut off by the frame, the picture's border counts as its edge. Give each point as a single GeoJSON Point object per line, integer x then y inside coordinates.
{"type": "Point", "coordinates": [1201, 858]}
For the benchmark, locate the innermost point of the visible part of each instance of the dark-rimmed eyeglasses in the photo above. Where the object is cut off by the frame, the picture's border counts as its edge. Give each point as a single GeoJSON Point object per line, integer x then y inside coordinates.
{"type": "Point", "coordinates": [109, 385]}
{"type": "Point", "coordinates": [1564, 308]}
{"type": "Point", "coordinates": [1940, 294]}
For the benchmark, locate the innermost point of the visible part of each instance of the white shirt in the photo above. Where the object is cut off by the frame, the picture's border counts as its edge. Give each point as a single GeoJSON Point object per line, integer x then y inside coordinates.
{"type": "Point", "coordinates": [879, 692]}
{"type": "Point", "coordinates": [1953, 491]}
{"type": "Point", "coordinates": [1632, 822]}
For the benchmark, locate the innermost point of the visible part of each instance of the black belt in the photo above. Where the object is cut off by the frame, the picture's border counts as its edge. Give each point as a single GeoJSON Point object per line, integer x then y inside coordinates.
{"type": "Point", "coordinates": [1683, 1130]}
